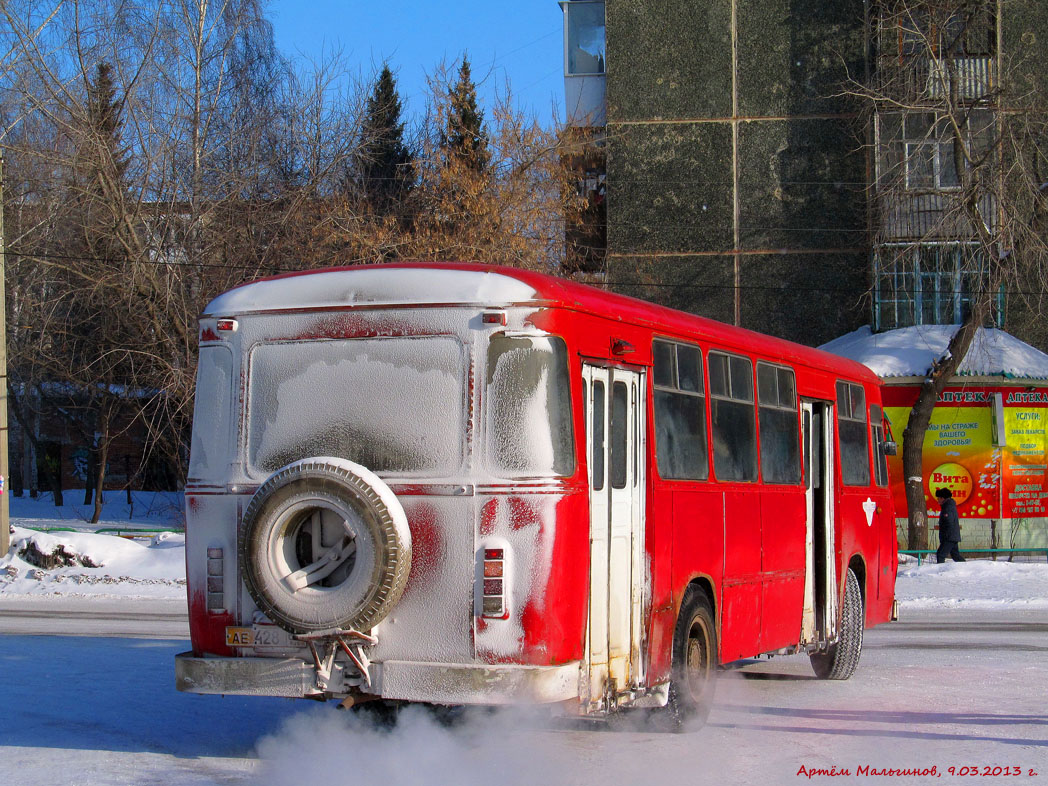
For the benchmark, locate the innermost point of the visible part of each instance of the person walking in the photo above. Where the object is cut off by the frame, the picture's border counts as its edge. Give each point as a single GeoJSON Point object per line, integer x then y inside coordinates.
{"type": "Point", "coordinates": [949, 527]}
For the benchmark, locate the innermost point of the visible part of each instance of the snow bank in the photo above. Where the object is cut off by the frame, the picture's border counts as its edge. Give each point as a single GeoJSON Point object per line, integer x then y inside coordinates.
{"type": "Point", "coordinates": [975, 584]}
{"type": "Point", "coordinates": [909, 352]}
{"type": "Point", "coordinates": [154, 568]}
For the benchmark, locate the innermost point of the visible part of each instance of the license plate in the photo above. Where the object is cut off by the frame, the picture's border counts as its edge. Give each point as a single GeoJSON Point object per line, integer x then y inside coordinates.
{"type": "Point", "coordinates": [257, 636]}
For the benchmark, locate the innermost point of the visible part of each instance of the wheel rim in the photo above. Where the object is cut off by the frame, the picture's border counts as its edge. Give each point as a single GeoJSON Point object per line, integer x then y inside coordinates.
{"type": "Point", "coordinates": [317, 546]}
{"type": "Point", "coordinates": [697, 659]}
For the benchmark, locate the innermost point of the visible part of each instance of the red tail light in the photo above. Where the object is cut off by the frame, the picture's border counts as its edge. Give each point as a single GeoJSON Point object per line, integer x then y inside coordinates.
{"type": "Point", "coordinates": [493, 587]}
{"type": "Point", "coordinates": [215, 580]}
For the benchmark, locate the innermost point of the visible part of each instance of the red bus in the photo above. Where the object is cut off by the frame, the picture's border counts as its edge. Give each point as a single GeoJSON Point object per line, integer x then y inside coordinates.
{"type": "Point", "coordinates": [465, 484]}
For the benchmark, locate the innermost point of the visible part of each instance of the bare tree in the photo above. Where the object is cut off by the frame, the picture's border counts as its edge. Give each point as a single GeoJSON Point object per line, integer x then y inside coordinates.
{"type": "Point", "coordinates": [960, 148]}
{"type": "Point", "coordinates": [222, 155]}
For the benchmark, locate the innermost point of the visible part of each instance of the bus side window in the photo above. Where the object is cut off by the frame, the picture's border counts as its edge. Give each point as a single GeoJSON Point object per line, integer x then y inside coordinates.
{"type": "Point", "coordinates": [778, 421]}
{"type": "Point", "coordinates": [880, 458]}
{"type": "Point", "coordinates": [680, 412]}
{"type": "Point", "coordinates": [733, 417]}
{"type": "Point", "coordinates": [852, 433]}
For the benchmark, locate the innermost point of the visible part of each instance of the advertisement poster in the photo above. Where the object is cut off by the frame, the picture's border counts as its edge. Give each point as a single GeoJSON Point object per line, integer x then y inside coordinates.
{"type": "Point", "coordinates": [1026, 495]}
{"type": "Point", "coordinates": [958, 454]}
{"type": "Point", "coordinates": [963, 451]}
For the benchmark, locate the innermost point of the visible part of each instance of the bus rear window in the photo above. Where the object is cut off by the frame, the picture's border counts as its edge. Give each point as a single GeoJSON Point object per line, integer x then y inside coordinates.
{"type": "Point", "coordinates": [391, 404]}
{"type": "Point", "coordinates": [209, 453]}
{"type": "Point", "coordinates": [529, 407]}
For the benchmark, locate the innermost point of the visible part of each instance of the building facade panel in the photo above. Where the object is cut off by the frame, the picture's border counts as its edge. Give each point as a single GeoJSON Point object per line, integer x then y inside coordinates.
{"type": "Point", "coordinates": [700, 284]}
{"type": "Point", "coordinates": [817, 296]}
{"type": "Point", "coordinates": [670, 188]}
{"type": "Point", "coordinates": [795, 56]}
{"type": "Point", "coordinates": [669, 60]}
{"type": "Point", "coordinates": [801, 185]}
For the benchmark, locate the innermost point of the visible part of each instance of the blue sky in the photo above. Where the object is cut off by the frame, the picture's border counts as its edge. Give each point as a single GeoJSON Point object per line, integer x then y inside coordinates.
{"type": "Point", "coordinates": [521, 40]}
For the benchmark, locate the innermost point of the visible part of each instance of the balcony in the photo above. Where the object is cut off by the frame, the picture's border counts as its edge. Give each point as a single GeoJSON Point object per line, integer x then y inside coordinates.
{"type": "Point", "coordinates": [920, 80]}
{"type": "Point", "coordinates": [932, 215]}
{"type": "Point", "coordinates": [585, 101]}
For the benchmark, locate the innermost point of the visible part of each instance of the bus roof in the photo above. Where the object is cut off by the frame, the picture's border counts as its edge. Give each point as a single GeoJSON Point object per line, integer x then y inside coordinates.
{"type": "Point", "coordinates": [453, 284]}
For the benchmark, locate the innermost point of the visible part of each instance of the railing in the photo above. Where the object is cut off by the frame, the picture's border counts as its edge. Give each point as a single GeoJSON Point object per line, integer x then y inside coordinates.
{"type": "Point", "coordinates": [123, 532]}
{"type": "Point", "coordinates": [926, 79]}
{"type": "Point", "coordinates": [932, 215]}
{"type": "Point", "coordinates": [921, 553]}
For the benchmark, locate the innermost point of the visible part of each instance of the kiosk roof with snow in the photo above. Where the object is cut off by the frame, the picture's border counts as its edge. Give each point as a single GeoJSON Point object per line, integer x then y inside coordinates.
{"type": "Point", "coordinates": [909, 352]}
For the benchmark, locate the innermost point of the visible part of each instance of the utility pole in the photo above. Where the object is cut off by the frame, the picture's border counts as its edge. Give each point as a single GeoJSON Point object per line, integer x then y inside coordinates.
{"type": "Point", "coordinates": [5, 485]}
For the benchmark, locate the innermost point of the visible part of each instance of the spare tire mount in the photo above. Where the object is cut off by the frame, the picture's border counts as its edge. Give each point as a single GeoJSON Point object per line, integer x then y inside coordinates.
{"type": "Point", "coordinates": [325, 547]}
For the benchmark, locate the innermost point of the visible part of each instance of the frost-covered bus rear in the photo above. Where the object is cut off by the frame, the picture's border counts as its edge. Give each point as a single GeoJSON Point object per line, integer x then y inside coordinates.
{"type": "Point", "coordinates": [379, 458]}
{"type": "Point", "coordinates": [465, 484]}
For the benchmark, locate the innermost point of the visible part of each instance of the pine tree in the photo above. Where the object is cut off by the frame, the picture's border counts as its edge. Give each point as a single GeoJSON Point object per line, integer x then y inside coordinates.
{"type": "Point", "coordinates": [465, 137]}
{"type": "Point", "coordinates": [103, 157]}
{"type": "Point", "coordinates": [384, 164]}
{"type": "Point", "coordinates": [98, 333]}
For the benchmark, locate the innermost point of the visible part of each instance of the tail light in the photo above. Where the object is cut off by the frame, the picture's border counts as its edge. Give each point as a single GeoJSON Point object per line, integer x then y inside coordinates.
{"type": "Point", "coordinates": [216, 574]}
{"type": "Point", "coordinates": [493, 589]}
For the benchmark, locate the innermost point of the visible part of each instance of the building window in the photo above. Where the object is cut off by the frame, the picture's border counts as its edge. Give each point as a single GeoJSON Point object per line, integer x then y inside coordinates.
{"type": "Point", "coordinates": [931, 284]}
{"type": "Point", "coordinates": [906, 30]}
{"type": "Point", "coordinates": [584, 37]}
{"type": "Point", "coordinates": [931, 165]}
{"type": "Point", "coordinates": [924, 143]}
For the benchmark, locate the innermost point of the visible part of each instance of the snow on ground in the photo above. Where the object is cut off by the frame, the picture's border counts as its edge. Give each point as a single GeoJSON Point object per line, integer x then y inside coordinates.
{"type": "Point", "coordinates": [946, 686]}
{"type": "Point", "coordinates": [112, 566]}
{"type": "Point", "coordinates": [105, 565]}
{"type": "Point", "coordinates": [975, 584]}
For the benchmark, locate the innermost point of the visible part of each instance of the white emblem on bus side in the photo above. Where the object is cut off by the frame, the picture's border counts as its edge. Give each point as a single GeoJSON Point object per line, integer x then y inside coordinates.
{"type": "Point", "coordinates": [869, 507]}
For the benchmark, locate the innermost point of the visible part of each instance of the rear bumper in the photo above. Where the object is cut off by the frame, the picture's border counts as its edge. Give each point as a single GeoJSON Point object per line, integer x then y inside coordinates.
{"type": "Point", "coordinates": [440, 683]}
{"type": "Point", "coordinates": [287, 677]}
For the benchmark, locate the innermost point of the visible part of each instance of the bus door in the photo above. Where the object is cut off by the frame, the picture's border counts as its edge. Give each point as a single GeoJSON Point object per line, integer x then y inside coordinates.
{"type": "Point", "coordinates": [819, 620]}
{"type": "Point", "coordinates": [615, 446]}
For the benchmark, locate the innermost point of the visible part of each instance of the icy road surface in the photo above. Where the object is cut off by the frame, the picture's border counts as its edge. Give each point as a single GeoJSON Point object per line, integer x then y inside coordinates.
{"type": "Point", "coordinates": [942, 688]}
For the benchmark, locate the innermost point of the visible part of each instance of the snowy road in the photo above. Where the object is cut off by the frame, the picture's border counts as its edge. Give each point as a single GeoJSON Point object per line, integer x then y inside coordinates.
{"type": "Point", "coordinates": [942, 688]}
{"type": "Point", "coordinates": [150, 619]}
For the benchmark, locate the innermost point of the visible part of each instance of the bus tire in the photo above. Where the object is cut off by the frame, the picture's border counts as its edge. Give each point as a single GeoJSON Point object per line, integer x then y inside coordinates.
{"type": "Point", "coordinates": [694, 667]}
{"type": "Point", "coordinates": [842, 658]}
{"type": "Point", "coordinates": [325, 545]}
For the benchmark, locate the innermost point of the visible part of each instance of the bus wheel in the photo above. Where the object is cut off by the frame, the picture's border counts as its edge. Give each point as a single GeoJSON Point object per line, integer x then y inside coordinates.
{"type": "Point", "coordinates": [325, 545]}
{"type": "Point", "coordinates": [694, 661]}
{"type": "Point", "coordinates": [840, 662]}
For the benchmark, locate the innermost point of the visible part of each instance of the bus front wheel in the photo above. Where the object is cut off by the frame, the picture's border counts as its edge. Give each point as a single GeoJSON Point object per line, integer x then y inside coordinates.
{"type": "Point", "coordinates": [842, 658]}
{"type": "Point", "coordinates": [694, 660]}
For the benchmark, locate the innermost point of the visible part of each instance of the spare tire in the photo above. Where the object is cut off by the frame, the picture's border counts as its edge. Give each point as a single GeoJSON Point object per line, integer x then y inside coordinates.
{"type": "Point", "coordinates": [325, 545]}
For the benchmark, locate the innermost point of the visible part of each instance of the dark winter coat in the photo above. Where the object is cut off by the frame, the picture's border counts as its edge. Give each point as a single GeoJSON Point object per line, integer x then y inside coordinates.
{"type": "Point", "coordinates": [949, 523]}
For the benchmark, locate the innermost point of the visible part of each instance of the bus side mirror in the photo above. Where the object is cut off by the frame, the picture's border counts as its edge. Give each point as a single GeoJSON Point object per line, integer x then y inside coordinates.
{"type": "Point", "coordinates": [890, 448]}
